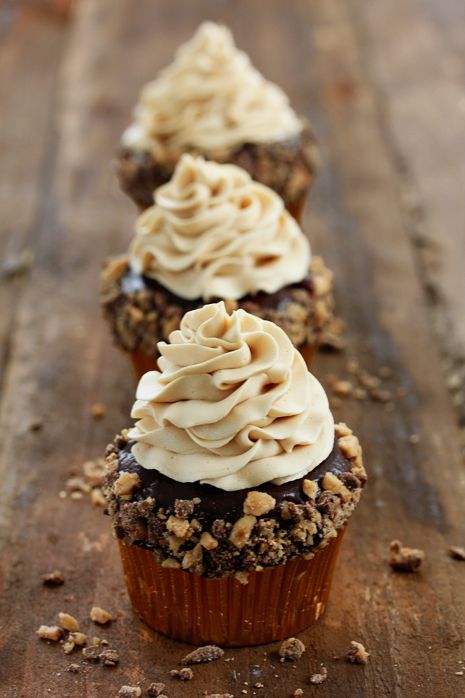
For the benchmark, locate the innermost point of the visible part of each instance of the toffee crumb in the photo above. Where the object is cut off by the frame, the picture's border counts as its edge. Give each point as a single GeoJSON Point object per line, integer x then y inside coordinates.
{"type": "Point", "coordinates": [207, 653]}
{"type": "Point", "coordinates": [97, 410]}
{"type": "Point", "coordinates": [291, 649]}
{"type": "Point", "coordinates": [298, 693]}
{"type": "Point", "coordinates": [78, 638]}
{"type": "Point", "coordinates": [50, 632]}
{"type": "Point", "coordinates": [155, 689]}
{"type": "Point", "coordinates": [126, 484]}
{"type": "Point", "coordinates": [100, 616]}
{"type": "Point", "coordinates": [403, 559]}
{"type": "Point", "coordinates": [258, 503]}
{"type": "Point", "coordinates": [53, 579]}
{"type": "Point", "coordinates": [68, 622]}
{"type": "Point", "coordinates": [457, 552]}
{"type": "Point", "coordinates": [356, 654]}
{"type": "Point", "coordinates": [320, 677]}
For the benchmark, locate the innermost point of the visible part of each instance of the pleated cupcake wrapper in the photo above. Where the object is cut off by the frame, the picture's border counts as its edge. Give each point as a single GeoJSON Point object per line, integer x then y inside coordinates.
{"type": "Point", "coordinates": [142, 362]}
{"type": "Point", "coordinates": [276, 603]}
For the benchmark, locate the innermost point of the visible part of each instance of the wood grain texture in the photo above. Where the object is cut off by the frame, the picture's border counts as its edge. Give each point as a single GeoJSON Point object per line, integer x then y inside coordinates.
{"type": "Point", "coordinates": [83, 76]}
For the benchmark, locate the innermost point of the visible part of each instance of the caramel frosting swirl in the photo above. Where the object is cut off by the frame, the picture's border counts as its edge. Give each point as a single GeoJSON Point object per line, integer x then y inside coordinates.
{"type": "Point", "coordinates": [233, 405]}
{"type": "Point", "coordinates": [216, 233]}
{"type": "Point", "coordinates": [210, 98]}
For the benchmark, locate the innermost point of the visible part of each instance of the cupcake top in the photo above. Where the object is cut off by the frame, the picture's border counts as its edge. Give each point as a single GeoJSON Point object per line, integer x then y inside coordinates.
{"type": "Point", "coordinates": [210, 98]}
{"type": "Point", "coordinates": [233, 405]}
{"type": "Point", "coordinates": [213, 232]}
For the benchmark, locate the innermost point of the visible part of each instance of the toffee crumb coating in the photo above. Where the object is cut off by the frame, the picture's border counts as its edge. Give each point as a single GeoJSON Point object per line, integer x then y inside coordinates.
{"type": "Point", "coordinates": [141, 312]}
{"type": "Point", "coordinates": [207, 531]}
{"type": "Point", "coordinates": [287, 167]}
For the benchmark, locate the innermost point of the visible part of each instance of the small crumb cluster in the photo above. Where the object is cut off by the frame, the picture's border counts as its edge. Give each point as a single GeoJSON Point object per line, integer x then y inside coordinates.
{"type": "Point", "coordinates": [184, 674]}
{"type": "Point", "coordinates": [67, 631]}
{"type": "Point", "coordinates": [403, 559]}
{"type": "Point", "coordinates": [359, 384]}
{"type": "Point", "coordinates": [87, 484]}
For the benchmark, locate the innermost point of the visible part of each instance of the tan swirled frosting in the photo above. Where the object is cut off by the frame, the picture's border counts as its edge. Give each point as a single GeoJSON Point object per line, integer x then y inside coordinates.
{"type": "Point", "coordinates": [233, 406]}
{"type": "Point", "coordinates": [216, 233]}
{"type": "Point", "coordinates": [210, 98]}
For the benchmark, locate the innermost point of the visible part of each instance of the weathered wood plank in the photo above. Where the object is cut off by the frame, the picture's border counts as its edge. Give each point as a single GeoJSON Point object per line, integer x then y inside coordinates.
{"type": "Point", "coordinates": [29, 59]}
{"type": "Point", "coordinates": [420, 77]}
{"type": "Point", "coordinates": [62, 362]}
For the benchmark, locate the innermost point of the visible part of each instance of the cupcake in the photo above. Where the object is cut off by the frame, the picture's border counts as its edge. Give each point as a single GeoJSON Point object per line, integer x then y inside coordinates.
{"type": "Point", "coordinates": [231, 494]}
{"type": "Point", "coordinates": [211, 101]}
{"type": "Point", "coordinates": [213, 233]}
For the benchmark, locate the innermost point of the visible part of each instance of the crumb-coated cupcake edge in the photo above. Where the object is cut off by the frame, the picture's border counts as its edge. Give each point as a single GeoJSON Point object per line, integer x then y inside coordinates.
{"type": "Point", "coordinates": [263, 536]}
{"type": "Point", "coordinates": [287, 167]}
{"type": "Point", "coordinates": [140, 319]}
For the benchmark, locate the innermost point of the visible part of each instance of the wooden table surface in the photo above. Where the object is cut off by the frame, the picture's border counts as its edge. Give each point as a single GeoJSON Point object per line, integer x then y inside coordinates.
{"type": "Point", "coordinates": [383, 84]}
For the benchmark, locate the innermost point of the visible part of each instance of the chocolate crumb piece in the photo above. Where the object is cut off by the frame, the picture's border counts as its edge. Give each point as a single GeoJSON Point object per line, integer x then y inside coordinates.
{"type": "Point", "coordinates": [320, 677]}
{"type": "Point", "coordinates": [183, 508]}
{"type": "Point", "coordinates": [207, 653]}
{"type": "Point", "coordinates": [291, 649]}
{"type": "Point", "coordinates": [50, 632]}
{"type": "Point", "coordinates": [73, 668]}
{"type": "Point", "coordinates": [100, 616]}
{"type": "Point", "coordinates": [97, 410]}
{"type": "Point", "coordinates": [357, 654]}
{"type": "Point", "coordinates": [53, 579]}
{"type": "Point", "coordinates": [404, 559]}
{"type": "Point", "coordinates": [298, 693]}
{"type": "Point", "coordinates": [130, 691]}
{"type": "Point", "coordinates": [457, 552]}
{"type": "Point", "coordinates": [155, 689]}
{"type": "Point", "coordinates": [36, 425]}
{"type": "Point", "coordinates": [109, 657]}
{"type": "Point", "coordinates": [184, 674]}
{"type": "Point", "coordinates": [68, 622]}
{"type": "Point", "coordinates": [91, 654]}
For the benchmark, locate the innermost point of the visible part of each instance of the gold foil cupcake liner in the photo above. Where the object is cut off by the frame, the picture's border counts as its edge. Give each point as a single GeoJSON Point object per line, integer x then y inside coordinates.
{"type": "Point", "coordinates": [276, 603]}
